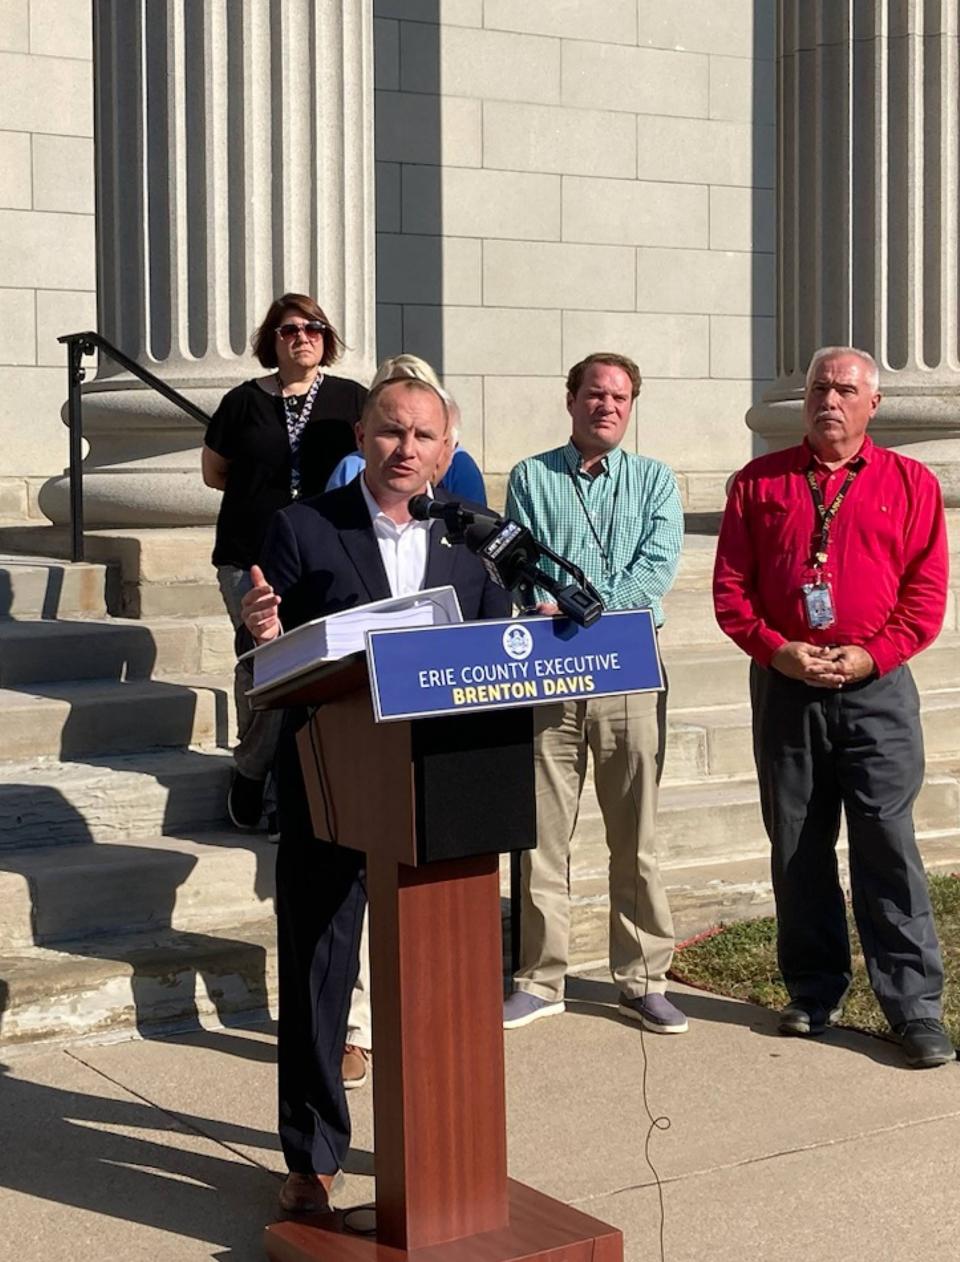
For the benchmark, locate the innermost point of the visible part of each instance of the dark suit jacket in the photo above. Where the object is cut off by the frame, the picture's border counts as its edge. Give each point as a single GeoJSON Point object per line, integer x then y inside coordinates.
{"type": "Point", "coordinates": [321, 556]}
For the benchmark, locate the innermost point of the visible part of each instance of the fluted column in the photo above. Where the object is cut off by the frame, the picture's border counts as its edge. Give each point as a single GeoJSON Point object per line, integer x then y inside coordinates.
{"type": "Point", "coordinates": [234, 161]}
{"type": "Point", "coordinates": [869, 128]}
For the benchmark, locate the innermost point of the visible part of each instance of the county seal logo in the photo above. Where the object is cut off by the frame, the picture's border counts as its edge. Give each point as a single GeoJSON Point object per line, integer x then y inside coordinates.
{"type": "Point", "coordinates": [517, 642]}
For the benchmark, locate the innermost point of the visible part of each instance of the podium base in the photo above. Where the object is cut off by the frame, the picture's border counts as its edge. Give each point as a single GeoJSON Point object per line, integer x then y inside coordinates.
{"type": "Point", "coordinates": [540, 1229]}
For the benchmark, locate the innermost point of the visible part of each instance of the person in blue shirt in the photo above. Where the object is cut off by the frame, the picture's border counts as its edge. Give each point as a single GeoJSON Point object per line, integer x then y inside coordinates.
{"type": "Point", "coordinates": [458, 472]}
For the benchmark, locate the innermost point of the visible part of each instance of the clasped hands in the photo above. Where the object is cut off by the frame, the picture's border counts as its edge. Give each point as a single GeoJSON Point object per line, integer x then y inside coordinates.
{"type": "Point", "coordinates": [259, 608]}
{"type": "Point", "coordinates": [822, 666]}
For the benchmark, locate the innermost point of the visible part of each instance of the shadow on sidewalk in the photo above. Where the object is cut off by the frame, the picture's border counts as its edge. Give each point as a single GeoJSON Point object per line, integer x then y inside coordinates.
{"type": "Point", "coordinates": [84, 1151]}
{"type": "Point", "coordinates": [598, 998]}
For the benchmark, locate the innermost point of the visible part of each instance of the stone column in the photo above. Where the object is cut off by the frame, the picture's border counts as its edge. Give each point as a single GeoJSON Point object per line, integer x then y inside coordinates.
{"type": "Point", "coordinates": [869, 99]}
{"type": "Point", "coordinates": [234, 162]}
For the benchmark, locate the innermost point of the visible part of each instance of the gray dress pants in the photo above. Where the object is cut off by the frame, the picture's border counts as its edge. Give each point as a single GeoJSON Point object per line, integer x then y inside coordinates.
{"type": "Point", "coordinates": [861, 749]}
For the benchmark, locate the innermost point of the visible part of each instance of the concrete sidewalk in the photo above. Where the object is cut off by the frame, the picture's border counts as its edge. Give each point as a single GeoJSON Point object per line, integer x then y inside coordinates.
{"type": "Point", "coordinates": [777, 1148]}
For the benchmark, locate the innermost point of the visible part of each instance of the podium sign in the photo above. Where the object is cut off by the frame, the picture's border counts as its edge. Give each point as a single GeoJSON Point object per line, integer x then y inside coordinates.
{"type": "Point", "coordinates": [472, 666]}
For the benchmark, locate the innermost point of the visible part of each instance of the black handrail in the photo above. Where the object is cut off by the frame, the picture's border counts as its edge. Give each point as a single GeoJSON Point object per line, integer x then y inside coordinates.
{"type": "Point", "coordinates": [78, 345]}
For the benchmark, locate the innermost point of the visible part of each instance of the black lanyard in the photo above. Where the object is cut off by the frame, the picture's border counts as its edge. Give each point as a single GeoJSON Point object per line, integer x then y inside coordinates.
{"type": "Point", "coordinates": [826, 515]}
{"type": "Point", "coordinates": [605, 552]}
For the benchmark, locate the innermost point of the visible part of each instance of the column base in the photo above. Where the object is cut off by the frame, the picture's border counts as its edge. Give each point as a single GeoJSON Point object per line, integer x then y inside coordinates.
{"type": "Point", "coordinates": [923, 424]}
{"type": "Point", "coordinates": [143, 464]}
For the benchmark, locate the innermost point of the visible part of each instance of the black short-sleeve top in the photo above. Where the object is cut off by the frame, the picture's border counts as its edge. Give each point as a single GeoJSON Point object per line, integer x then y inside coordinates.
{"type": "Point", "coordinates": [249, 429]}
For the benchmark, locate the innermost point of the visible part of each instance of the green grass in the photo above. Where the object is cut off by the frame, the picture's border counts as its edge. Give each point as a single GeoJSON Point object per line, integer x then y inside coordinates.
{"type": "Point", "coordinates": [741, 960]}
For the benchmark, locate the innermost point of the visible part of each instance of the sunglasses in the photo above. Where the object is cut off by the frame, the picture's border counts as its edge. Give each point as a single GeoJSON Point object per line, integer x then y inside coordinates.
{"type": "Point", "coordinates": [310, 328]}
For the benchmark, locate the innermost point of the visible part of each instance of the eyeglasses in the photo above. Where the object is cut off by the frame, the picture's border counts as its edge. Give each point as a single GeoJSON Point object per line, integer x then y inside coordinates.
{"type": "Point", "coordinates": [310, 328]}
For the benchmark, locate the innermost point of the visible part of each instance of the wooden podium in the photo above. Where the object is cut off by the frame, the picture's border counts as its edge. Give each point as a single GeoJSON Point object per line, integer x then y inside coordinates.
{"type": "Point", "coordinates": [432, 802]}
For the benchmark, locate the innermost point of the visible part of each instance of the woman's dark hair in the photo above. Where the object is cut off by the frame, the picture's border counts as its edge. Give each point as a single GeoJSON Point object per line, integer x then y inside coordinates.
{"type": "Point", "coordinates": [264, 340]}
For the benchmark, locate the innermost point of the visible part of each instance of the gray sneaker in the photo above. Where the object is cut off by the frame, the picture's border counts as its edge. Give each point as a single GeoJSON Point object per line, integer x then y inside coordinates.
{"type": "Point", "coordinates": [654, 1012]}
{"type": "Point", "coordinates": [522, 1008]}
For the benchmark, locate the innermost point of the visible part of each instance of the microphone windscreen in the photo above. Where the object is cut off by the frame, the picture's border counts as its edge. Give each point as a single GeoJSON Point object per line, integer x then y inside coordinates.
{"type": "Point", "coordinates": [419, 507]}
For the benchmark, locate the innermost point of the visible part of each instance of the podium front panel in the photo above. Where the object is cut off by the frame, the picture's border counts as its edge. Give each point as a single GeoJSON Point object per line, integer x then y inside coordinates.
{"type": "Point", "coordinates": [426, 791]}
{"type": "Point", "coordinates": [474, 784]}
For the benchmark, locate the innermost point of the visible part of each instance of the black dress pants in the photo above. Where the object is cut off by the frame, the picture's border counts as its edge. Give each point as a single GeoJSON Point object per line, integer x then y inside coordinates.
{"type": "Point", "coordinates": [860, 748]}
{"type": "Point", "coordinates": [321, 897]}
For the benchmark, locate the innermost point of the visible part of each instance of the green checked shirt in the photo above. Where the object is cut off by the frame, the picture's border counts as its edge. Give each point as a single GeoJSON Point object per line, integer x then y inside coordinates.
{"type": "Point", "coordinates": [624, 527]}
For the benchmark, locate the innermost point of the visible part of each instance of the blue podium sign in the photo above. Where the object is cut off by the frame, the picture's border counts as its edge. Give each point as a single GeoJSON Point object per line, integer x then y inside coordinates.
{"type": "Point", "coordinates": [471, 666]}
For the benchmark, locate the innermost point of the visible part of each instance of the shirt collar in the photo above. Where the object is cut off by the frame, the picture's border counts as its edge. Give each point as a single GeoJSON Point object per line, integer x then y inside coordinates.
{"type": "Point", "coordinates": [609, 465]}
{"type": "Point", "coordinates": [377, 513]}
{"type": "Point", "coordinates": [807, 457]}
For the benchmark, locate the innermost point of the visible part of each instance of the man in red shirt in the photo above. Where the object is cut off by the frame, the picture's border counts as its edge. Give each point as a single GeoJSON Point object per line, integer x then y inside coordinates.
{"type": "Point", "coordinates": [831, 572]}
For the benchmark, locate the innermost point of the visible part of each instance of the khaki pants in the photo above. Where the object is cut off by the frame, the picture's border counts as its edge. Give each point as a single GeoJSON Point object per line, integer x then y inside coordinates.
{"type": "Point", "coordinates": [624, 735]}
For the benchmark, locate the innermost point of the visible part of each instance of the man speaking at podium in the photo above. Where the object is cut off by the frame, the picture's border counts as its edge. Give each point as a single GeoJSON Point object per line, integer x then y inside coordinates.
{"type": "Point", "coordinates": [336, 551]}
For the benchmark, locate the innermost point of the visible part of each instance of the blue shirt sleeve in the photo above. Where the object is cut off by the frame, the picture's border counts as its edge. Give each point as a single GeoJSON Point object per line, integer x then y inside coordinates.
{"type": "Point", "coordinates": [346, 471]}
{"type": "Point", "coordinates": [463, 479]}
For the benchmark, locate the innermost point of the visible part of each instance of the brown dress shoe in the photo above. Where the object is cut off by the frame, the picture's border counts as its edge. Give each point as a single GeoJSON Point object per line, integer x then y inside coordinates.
{"type": "Point", "coordinates": [356, 1066]}
{"type": "Point", "coordinates": [306, 1193]}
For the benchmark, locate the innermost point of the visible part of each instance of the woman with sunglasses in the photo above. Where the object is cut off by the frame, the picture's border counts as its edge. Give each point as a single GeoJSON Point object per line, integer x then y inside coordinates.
{"type": "Point", "coordinates": [272, 440]}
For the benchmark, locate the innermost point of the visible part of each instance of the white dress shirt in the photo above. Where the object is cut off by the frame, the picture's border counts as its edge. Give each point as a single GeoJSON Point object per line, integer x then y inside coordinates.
{"type": "Point", "coordinates": [402, 548]}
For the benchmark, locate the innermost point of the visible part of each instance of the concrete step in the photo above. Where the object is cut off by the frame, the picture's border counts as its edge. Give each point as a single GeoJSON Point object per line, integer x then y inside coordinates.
{"type": "Point", "coordinates": [37, 587]}
{"type": "Point", "coordinates": [718, 820]}
{"type": "Point", "coordinates": [716, 675]}
{"type": "Point", "coordinates": [161, 571]}
{"type": "Point", "coordinates": [703, 895]}
{"type": "Point", "coordinates": [72, 720]}
{"type": "Point", "coordinates": [122, 798]}
{"type": "Point", "coordinates": [113, 648]}
{"type": "Point", "coordinates": [156, 982]}
{"type": "Point", "coordinates": [689, 617]}
{"type": "Point", "coordinates": [719, 741]}
{"type": "Point", "coordinates": [204, 883]}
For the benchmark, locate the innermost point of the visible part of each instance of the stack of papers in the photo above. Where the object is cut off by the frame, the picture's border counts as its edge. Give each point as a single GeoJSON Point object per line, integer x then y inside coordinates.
{"type": "Point", "coordinates": [340, 634]}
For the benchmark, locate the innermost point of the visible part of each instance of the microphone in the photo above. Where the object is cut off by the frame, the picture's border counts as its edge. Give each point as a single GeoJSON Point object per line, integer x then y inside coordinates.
{"type": "Point", "coordinates": [509, 553]}
{"type": "Point", "coordinates": [456, 515]}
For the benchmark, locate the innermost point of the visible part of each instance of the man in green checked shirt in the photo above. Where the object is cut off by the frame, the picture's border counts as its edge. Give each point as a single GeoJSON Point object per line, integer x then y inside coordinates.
{"type": "Point", "coordinates": [618, 516]}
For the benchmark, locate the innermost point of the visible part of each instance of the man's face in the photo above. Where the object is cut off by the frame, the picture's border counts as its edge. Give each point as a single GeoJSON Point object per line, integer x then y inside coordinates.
{"type": "Point", "coordinates": [402, 441]}
{"type": "Point", "coordinates": [600, 410]}
{"type": "Point", "coordinates": [839, 403]}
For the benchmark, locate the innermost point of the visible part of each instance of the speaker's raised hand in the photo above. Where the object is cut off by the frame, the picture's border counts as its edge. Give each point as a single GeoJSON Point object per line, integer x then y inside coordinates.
{"type": "Point", "coordinates": [259, 608]}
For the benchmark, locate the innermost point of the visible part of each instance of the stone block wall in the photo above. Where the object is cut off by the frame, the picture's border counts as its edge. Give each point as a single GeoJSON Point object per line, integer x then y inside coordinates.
{"type": "Point", "coordinates": [561, 176]}
{"type": "Point", "coordinates": [47, 262]}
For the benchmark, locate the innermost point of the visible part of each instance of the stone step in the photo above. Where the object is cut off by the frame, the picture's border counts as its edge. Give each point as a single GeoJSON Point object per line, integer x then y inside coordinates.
{"type": "Point", "coordinates": [157, 982]}
{"type": "Point", "coordinates": [719, 741]}
{"type": "Point", "coordinates": [706, 894]}
{"type": "Point", "coordinates": [203, 883]}
{"type": "Point", "coordinates": [161, 571]}
{"type": "Point", "coordinates": [122, 798]}
{"type": "Point", "coordinates": [701, 675]}
{"type": "Point", "coordinates": [113, 648]}
{"type": "Point", "coordinates": [72, 720]}
{"type": "Point", "coordinates": [37, 587]}
{"type": "Point", "coordinates": [689, 617]}
{"type": "Point", "coordinates": [718, 820]}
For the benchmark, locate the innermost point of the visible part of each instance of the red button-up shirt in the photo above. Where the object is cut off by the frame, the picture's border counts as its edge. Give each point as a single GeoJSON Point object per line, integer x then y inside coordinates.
{"type": "Point", "coordinates": [886, 562]}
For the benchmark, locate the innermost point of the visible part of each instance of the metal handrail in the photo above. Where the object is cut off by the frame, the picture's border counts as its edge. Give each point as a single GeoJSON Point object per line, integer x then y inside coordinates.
{"type": "Point", "coordinates": [78, 345]}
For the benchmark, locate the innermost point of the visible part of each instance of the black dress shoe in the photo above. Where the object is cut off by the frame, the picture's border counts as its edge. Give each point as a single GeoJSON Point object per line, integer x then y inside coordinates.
{"type": "Point", "coordinates": [806, 1018]}
{"type": "Point", "coordinates": [925, 1043]}
{"type": "Point", "coordinates": [245, 802]}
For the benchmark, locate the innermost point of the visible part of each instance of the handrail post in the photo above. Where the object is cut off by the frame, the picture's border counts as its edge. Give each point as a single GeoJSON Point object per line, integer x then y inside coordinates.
{"type": "Point", "coordinates": [75, 375]}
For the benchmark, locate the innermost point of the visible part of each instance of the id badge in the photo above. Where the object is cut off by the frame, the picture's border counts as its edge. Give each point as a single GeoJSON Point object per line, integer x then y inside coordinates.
{"type": "Point", "coordinates": [818, 603]}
